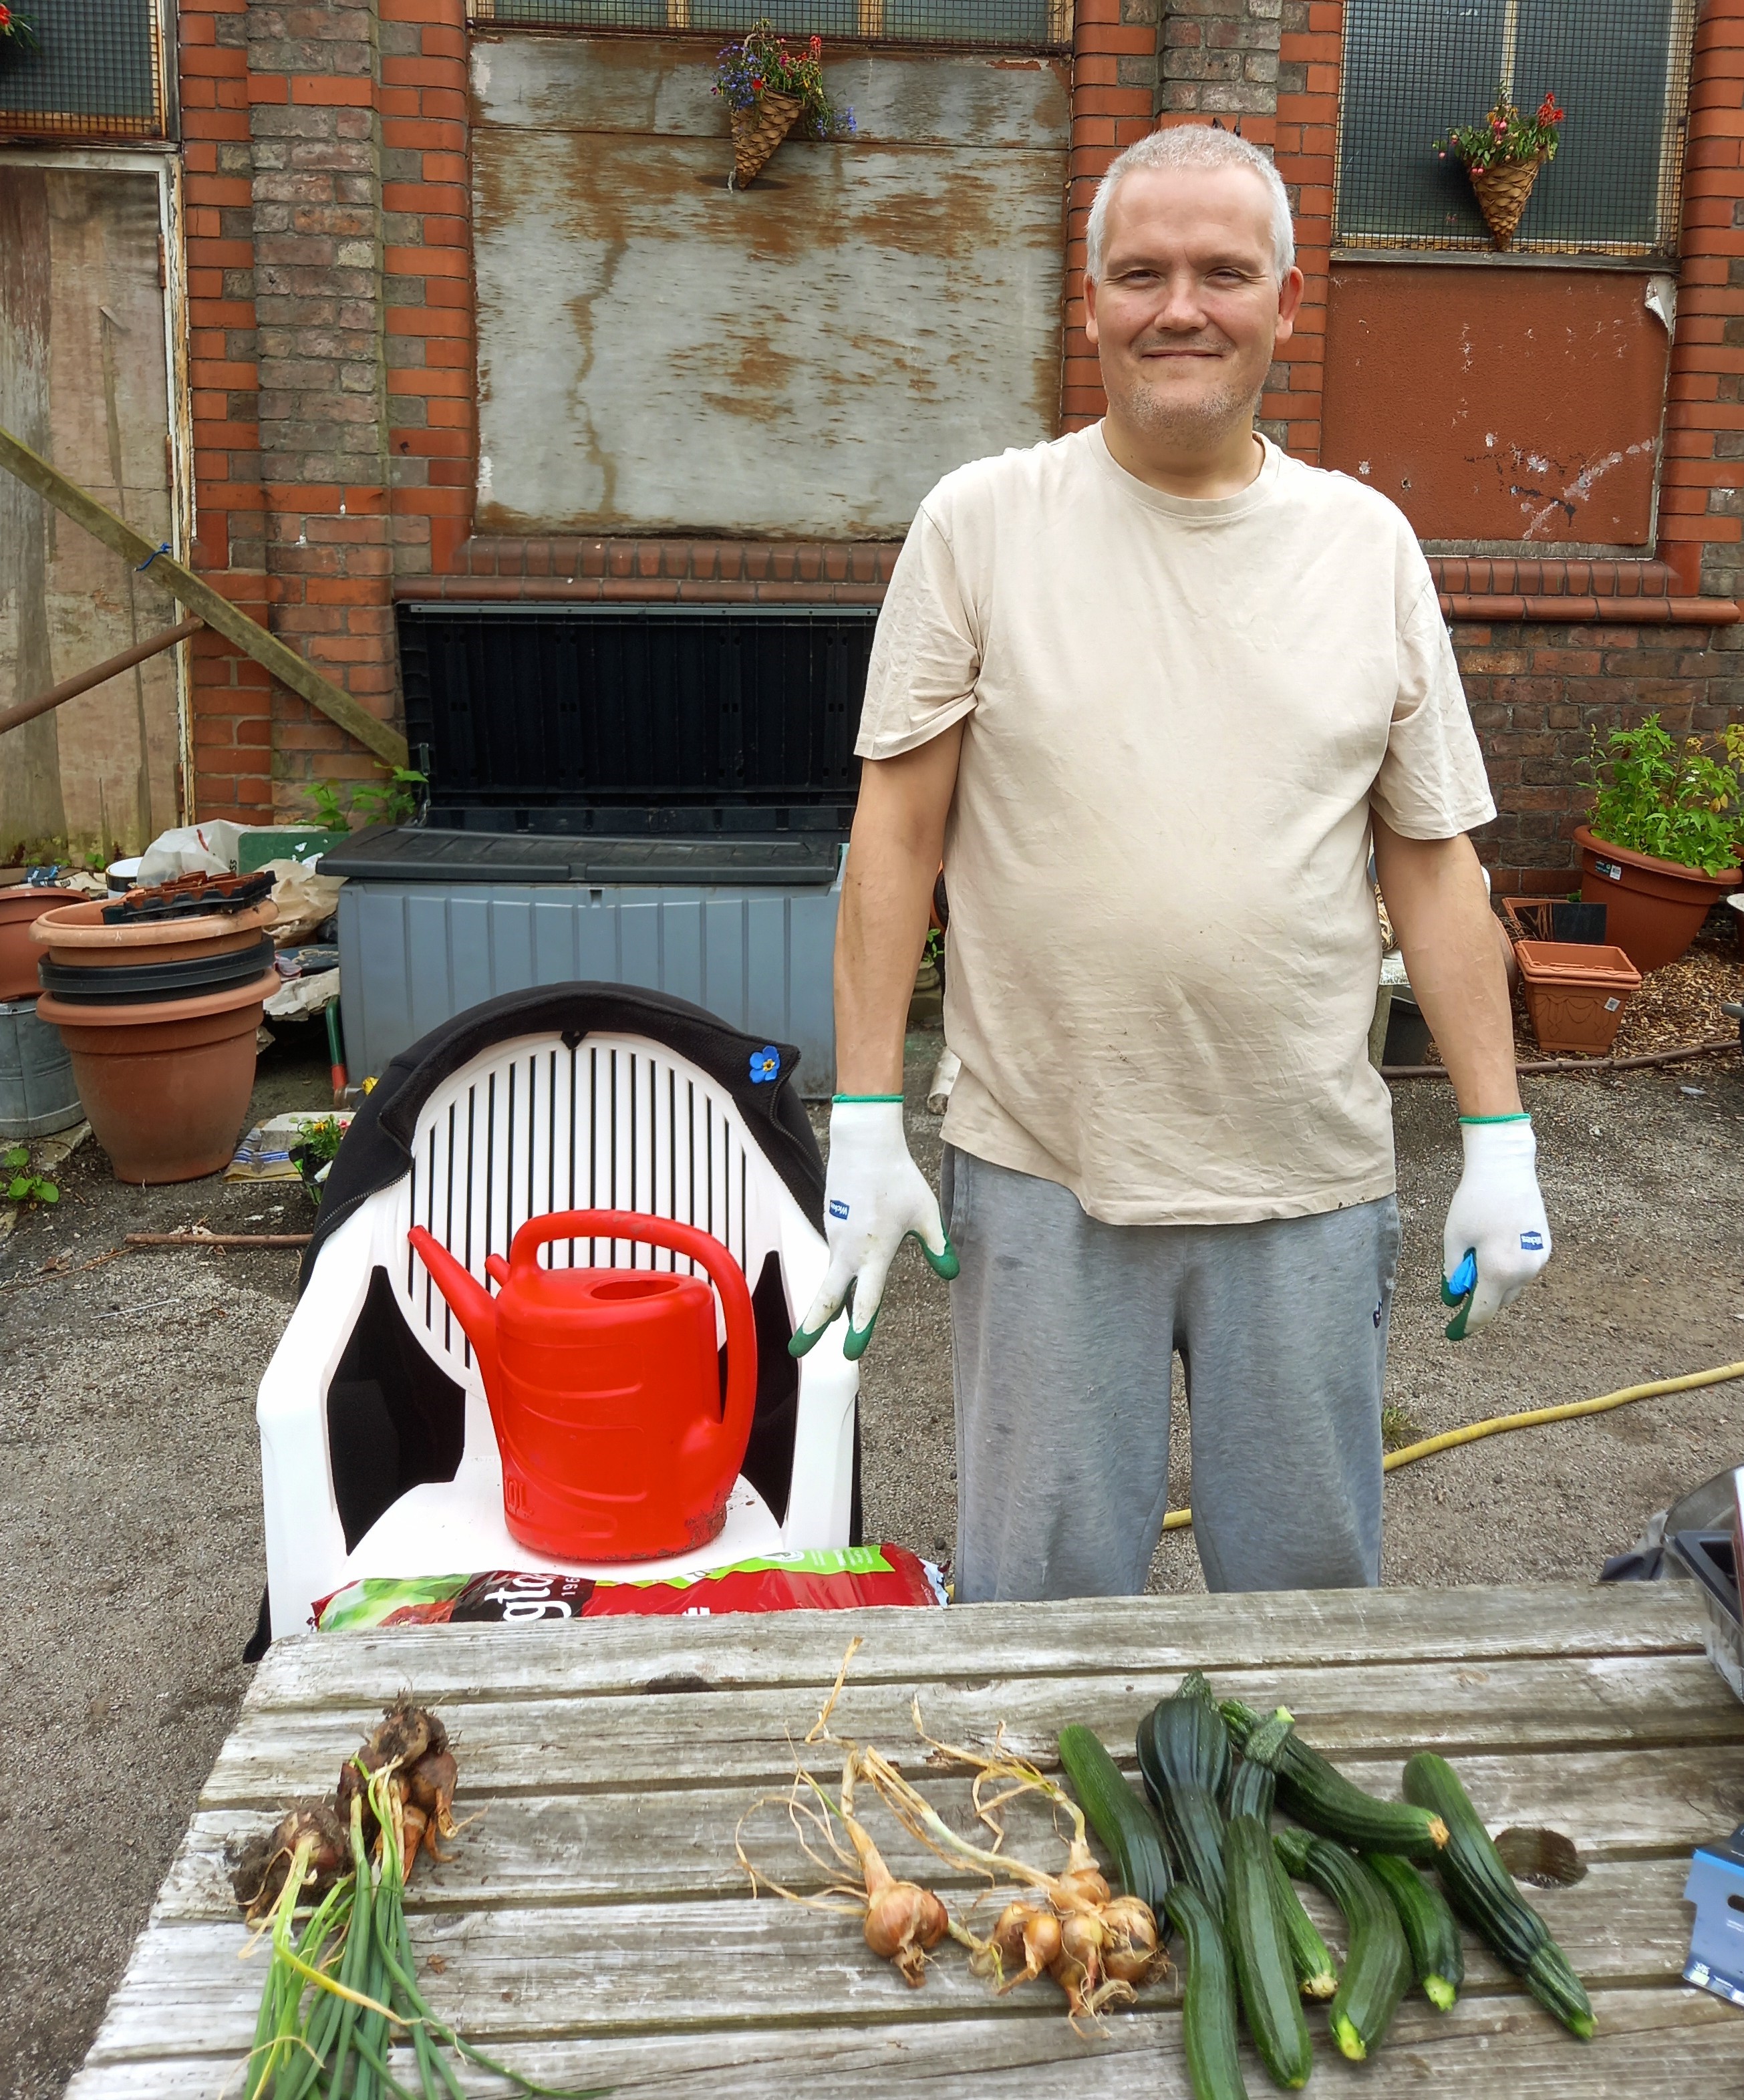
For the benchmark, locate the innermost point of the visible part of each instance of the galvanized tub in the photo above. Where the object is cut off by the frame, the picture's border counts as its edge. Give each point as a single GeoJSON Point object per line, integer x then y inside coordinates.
{"type": "Point", "coordinates": [37, 1093]}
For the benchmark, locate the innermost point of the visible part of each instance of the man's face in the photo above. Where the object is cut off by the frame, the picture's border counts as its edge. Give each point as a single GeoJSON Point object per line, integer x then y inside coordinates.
{"type": "Point", "coordinates": [1189, 308]}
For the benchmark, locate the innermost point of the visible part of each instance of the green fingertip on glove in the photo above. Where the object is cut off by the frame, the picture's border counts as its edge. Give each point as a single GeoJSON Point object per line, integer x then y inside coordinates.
{"type": "Point", "coordinates": [945, 1264]}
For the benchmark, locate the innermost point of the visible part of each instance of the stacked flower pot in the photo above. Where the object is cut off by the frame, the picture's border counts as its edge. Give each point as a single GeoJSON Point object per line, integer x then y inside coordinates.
{"type": "Point", "coordinates": [37, 1094]}
{"type": "Point", "coordinates": [159, 1016]}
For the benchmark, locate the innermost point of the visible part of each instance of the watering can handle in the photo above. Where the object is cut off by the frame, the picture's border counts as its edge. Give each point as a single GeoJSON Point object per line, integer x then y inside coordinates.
{"type": "Point", "coordinates": [724, 1273]}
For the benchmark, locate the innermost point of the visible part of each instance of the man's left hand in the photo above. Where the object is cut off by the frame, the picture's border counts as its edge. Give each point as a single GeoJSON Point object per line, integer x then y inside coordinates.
{"type": "Point", "coordinates": [1497, 1216]}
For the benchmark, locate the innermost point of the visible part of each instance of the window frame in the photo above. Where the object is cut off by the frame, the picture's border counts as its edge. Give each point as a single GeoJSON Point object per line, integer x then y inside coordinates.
{"type": "Point", "coordinates": [1530, 251]}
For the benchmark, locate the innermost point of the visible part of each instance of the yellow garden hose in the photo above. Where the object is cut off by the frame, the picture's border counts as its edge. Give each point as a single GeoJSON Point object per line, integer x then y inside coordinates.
{"type": "Point", "coordinates": [1533, 1419]}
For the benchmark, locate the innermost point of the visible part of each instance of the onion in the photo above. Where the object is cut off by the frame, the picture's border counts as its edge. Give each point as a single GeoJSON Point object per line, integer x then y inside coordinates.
{"type": "Point", "coordinates": [1129, 1947]}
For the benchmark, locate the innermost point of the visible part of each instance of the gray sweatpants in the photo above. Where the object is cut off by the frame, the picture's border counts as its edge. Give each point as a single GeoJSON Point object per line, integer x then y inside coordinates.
{"type": "Point", "coordinates": [1062, 1331]}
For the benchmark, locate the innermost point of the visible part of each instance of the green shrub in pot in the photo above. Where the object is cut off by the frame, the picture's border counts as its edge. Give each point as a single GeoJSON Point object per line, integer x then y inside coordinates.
{"type": "Point", "coordinates": [1677, 799]}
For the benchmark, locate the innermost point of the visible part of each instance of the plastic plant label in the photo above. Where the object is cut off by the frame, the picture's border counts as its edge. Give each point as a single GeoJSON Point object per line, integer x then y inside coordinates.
{"type": "Point", "coordinates": [1610, 869]}
{"type": "Point", "coordinates": [1611, 1005]}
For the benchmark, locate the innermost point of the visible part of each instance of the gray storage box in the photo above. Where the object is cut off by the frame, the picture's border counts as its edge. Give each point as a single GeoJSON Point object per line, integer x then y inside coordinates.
{"type": "Point", "coordinates": [432, 923]}
{"type": "Point", "coordinates": [654, 794]}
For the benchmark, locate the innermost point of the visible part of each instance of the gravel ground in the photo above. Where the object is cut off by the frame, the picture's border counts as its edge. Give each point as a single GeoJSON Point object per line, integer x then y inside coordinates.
{"type": "Point", "coordinates": [129, 1545]}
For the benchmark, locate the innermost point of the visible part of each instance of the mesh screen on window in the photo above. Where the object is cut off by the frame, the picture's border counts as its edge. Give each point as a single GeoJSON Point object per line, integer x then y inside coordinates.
{"type": "Point", "coordinates": [1414, 70]}
{"type": "Point", "coordinates": [88, 69]}
{"type": "Point", "coordinates": [1023, 24]}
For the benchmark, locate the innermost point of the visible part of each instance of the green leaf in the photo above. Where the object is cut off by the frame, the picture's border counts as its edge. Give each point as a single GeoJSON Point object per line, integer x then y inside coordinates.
{"type": "Point", "coordinates": [18, 1156]}
{"type": "Point", "coordinates": [48, 1192]}
{"type": "Point", "coordinates": [19, 1189]}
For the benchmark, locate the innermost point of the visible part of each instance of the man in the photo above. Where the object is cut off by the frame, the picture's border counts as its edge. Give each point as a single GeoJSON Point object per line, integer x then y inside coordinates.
{"type": "Point", "coordinates": [1152, 692]}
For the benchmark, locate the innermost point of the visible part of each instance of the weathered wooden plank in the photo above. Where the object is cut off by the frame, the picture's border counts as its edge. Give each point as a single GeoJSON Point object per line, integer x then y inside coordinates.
{"type": "Point", "coordinates": [589, 1848]}
{"type": "Point", "coordinates": [1110, 1636]}
{"type": "Point", "coordinates": [555, 1971]}
{"type": "Point", "coordinates": [198, 596]}
{"type": "Point", "coordinates": [660, 354]}
{"type": "Point", "coordinates": [1662, 2045]}
{"type": "Point", "coordinates": [546, 1745]}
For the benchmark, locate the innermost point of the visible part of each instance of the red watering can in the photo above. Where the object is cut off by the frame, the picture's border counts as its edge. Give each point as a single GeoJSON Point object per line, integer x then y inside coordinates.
{"type": "Point", "coordinates": [604, 1385]}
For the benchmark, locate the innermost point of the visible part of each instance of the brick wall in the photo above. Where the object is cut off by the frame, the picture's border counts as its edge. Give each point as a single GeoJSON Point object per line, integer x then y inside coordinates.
{"type": "Point", "coordinates": [331, 356]}
{"type": "Point", "coordinates": [333, 368]}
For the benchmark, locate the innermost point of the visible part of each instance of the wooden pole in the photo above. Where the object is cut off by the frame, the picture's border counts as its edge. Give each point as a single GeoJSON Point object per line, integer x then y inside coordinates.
{"type": "Point", "coordinates": [70, 689]}
{"type": "Point", "coordinates": [198, 596]}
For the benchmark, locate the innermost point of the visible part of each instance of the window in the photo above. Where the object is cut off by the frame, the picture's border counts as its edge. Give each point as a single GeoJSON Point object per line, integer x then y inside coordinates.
{"type": "Point", "coordinates": [98, 72]}
{"type": "Point", "coordinates": [1414, 68]}
{"type": "Point", "coordinates": [1023, 24]}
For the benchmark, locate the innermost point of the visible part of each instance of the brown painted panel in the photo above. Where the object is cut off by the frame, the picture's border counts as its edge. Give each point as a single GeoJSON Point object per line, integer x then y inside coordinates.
{"type": "Point", "coordinates": [1499, 404]}
{"type": "Point", "coordinates": [82, 381]}
{"type": "Point", "coordinates": [658, 354]}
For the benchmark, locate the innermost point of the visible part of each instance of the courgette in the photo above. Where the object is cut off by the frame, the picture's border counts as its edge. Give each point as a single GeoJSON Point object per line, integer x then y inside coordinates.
{"type": "Point", "coordinates": [1253, 1784]}
{"type": "Point", "coordinates": [1121, 1818]}
{"type": "Point", "coordinates": [1318, 1796]}
{"type": "Point", "coordinates": [1264, 1968]}
{"type": "Point", "coordinates": [1482, 1890]}
{"type": "Point", "coordinates": [1430, 1932]}
{"type": "Point", "coordinates": [1378, 1964]}
{"type": "Point", "coordinates": [1252, 1787]}
{"type": "Point", "coordinates": [1184, 1759]}
{"type": "Point", "coordinates": [1208, 2008]}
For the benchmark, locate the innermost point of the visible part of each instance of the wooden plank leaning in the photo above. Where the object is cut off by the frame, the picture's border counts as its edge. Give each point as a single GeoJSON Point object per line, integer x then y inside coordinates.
{"type": "Point", "coordinates": [198, 596]}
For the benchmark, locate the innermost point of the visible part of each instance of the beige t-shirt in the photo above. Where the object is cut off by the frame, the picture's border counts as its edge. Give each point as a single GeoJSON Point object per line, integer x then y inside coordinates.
{"type": "Point", "coordinates": [1164, 950]}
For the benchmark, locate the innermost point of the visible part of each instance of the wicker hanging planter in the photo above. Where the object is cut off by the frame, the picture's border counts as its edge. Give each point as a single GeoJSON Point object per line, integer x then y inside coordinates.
{"type": "Point", "coordinates": [1502, 194]}
{"type": "Point", "coordinates": [757, 131]}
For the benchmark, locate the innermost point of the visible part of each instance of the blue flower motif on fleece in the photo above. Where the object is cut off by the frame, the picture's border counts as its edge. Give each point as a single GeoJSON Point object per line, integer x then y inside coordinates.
{"type": "Point", "coordinates": [766, 1064]}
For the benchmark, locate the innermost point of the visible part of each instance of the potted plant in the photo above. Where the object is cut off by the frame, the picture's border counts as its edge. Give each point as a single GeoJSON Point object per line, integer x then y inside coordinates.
{"type": "Point", "coordinates": [769, 91]}
{"type": "Point", "coordinates": [1502, 155]}
{"type": "Point", "coordinates": [1661, 845]}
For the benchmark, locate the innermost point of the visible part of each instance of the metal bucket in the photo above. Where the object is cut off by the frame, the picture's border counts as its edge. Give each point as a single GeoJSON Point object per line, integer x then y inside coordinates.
{"type": "Point", "coordinates": [37, 1092]}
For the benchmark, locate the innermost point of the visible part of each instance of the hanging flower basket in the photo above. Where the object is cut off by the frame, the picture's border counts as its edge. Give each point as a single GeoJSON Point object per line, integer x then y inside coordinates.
{"type": "Point", "coordinates": [1502, 194]}
{"type": "Point", "coordinates": [769, 91]}
{"type": "Point", "coordinates": [756, 132]}
{"type": "Point", "coordinates": [1503, 156]}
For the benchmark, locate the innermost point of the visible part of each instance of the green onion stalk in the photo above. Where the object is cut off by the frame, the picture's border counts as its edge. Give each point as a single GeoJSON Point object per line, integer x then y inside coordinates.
{"type": "Point", "coordinates": [341, 1992]}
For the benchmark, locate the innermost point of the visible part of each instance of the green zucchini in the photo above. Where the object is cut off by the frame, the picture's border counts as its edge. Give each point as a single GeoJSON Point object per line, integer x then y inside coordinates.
{"type": "Point", "coordinates": [1250, 1790]}
{"type": "Point", "coordinates": [1253, 1784]}
{"type": "Point", "coordinates": [1208, 2008]}
{"type": "Point", "coordinates": [1430, 1931]}
{"type": "Point", "coordinates": [1121, 1818]}
{"type": "Point", "coordinates": [1378, 1964]}
{"type": "Point", "coordinates": [1318, 1796]}
{"type": "Point", "coordinates": [1482, 1890]}
{"type": "Point", "coordinates": [1264, 1967]}
{"type": "Point", "coordinates": [1184, 1759]}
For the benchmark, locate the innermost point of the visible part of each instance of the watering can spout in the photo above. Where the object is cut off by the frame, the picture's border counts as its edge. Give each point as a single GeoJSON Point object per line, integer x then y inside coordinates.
{"type": "Point", "coordinates": [470, 1303]}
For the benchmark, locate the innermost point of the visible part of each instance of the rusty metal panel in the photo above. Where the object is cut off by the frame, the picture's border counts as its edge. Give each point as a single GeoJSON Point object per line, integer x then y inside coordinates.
{"type": "Point", "coordinates": [1499, 404]}
{"type": "Point", "coordinates": [82, 380]}
{"type": "Point", "coordinates": [660, 354]}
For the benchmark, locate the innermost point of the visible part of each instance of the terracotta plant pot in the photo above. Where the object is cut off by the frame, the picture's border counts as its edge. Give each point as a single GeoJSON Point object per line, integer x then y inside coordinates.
{"type": "Point", "coordinates": [78, 934]}
{"type": "Point", "coordinates": [19, 908]}
{"type": "Point", "coordinates": [1575, 995]}
{"type": "Point", "coordinates": [1655, 907]}
{"type": "Point", "coordinates": [165, 1085]}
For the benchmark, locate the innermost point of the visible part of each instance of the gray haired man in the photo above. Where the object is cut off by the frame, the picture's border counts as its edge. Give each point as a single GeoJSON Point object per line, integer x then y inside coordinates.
{"type": "Point", "coordinates": [1154, 692]}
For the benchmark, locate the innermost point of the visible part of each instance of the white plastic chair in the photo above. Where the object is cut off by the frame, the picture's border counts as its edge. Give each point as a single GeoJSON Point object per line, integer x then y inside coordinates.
{"type": "Point", "coordinates": [374, 1363]}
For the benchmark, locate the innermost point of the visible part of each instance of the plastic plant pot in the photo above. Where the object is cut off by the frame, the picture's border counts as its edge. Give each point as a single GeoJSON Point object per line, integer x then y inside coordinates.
{"type": "Point", "coordinates": [166, 1084]}
{"type": "Point", "coordinates": [77, 936]}
{"type": "Point", "coordinates": [1655, 907]}
{"type": "Point", "coordinates": [75, 984]}
{"type": "Point", "coordinates": [1575, 995]}
{"type": "Point", "coordinates": [20, 909]}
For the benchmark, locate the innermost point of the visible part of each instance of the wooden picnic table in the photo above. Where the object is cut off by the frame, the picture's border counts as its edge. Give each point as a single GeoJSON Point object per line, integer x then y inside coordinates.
{"type": "Point", "coordinates": [594, 1928]}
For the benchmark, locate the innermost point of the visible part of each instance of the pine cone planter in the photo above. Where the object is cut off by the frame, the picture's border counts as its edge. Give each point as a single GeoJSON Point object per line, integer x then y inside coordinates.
{"type": "Point", "coordinates": [1501, 194]}
{"type": "Point", "coordinates": [757, 131]}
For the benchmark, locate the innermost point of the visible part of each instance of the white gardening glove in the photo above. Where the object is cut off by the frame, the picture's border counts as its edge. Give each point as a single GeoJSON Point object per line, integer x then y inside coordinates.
{"type": "Point", "coordinates": [873, 1198]}
{"type": "Point", "coordinates": [1497, 1238]}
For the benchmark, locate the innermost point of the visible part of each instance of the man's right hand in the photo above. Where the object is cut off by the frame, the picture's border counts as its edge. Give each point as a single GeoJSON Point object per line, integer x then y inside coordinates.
{"type": "Point", "coordinates": [874, 1198]}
